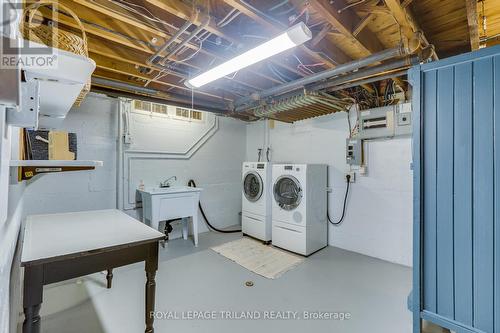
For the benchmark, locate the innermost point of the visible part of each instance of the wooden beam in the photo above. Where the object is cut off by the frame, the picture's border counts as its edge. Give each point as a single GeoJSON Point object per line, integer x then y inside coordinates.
{"type": "Point", "coordinates": [101, 15]}
{"type": "Point", "coordinates": [185, 12]}
{"type": "Point", "coordinates": [362, 24]}
{"type": "Point", "coordinates": [346, 23]}
{"type": "Point", "coordinates": [121, 67]}
{"type": "Point", "coordinates": [334, 53]}
{"type": "Point", "coordinates": [320, 35]}
{"type": "Point", "coordinates": [403, 16]}
{"type": "Point", "coordinates": [274, 26]}
{"type": "Point", "coordinates": [166, 93]}
{"type": "Point", "coordinates": [409, 26]}
{"type": "Point", "coordinates": [119, 14]}
{"type": "Point", "coordinates": [99, 38]}
{"type": "Point", "coordinates": [472, 20]}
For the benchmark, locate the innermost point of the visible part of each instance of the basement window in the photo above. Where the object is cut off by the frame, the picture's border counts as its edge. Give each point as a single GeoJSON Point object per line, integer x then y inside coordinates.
{"type": "Point", "coordinates": [188, 114]}
{"type": "Point", "coordinates": [196, 115]}
{"type": "Point", "coordinates": [182, 113]}
{"type": "Point", "coordinates": [163, 110]}
{"type": "Point", "coordinates": [150, 107]}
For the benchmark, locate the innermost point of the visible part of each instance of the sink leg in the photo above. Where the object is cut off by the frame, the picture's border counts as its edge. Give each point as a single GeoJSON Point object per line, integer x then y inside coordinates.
{"type": "Point", "coordinates": [155, 224]}
{"type": "Point", "coordinates": [185, 228]}
{"type": "Point", "coordinates": [195, 229]}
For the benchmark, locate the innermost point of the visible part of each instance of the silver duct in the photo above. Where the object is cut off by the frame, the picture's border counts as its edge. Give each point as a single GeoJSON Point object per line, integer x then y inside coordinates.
{"type": "Point", "coordinates": [342, 69]}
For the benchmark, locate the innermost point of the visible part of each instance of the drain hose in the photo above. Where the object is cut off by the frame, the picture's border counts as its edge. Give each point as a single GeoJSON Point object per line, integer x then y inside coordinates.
{"type": "Point", "coordinates": [193, 184]}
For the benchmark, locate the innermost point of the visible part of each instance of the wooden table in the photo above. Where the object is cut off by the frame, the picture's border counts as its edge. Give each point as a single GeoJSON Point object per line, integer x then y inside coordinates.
{"type": "Point", "coordinates": [58, 247]}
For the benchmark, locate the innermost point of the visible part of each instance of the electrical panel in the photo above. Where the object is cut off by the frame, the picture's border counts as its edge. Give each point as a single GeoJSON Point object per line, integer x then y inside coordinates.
{"type": "Point", "coordinates": [354, 151]}
{"type": "Point", "coordinates": [387, 121]}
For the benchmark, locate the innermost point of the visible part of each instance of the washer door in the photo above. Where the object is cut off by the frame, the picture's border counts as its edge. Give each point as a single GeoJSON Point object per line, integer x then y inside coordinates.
{"type": "Point", "coordinates": [287, 192]}
{"type": "Point", "coordinates": [252, 186]}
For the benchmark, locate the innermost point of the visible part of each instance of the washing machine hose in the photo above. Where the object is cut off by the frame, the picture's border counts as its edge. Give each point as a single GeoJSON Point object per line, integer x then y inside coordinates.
{"type": "Point", "coordinates": [191, 183]}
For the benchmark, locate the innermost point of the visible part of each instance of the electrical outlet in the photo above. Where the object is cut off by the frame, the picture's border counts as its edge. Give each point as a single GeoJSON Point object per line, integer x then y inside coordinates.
{"type": "Point", "coordinates": [352, 174]}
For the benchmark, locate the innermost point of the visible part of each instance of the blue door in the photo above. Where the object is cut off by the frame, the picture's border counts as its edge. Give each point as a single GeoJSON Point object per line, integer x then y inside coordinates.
{"type": "Point", "coordinates": [457, 192]}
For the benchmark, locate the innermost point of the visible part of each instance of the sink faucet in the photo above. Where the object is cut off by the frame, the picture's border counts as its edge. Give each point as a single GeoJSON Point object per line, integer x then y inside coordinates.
{"type": "Point", "coordinates": [166, 182]}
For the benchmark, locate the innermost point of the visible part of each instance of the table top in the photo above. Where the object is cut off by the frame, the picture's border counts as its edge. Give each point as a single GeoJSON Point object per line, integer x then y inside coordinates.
{"type": "Point", "coordinates": [52, 237]}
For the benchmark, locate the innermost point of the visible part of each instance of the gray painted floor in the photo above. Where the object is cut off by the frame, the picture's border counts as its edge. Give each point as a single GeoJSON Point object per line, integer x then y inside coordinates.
{"type": "Point", "coordinates": [193, 279]}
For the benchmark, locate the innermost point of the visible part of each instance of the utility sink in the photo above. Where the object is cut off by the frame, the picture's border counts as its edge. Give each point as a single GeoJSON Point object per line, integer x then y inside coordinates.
{"type": "Point", "coordinates": [170, 190]}
{"type": "Point", "coordinates": [168, 203]}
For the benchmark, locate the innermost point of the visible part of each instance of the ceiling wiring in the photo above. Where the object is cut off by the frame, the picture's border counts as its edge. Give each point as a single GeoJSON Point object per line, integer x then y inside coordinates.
{"type": "Point", "coordinates": [278, 5]}
{"type": "Point", "coordinates": [130, 7]}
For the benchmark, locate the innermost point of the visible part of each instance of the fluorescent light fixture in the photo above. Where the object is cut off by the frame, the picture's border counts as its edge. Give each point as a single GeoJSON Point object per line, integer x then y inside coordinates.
{"type": "Point", "coordinates": [294, 36]}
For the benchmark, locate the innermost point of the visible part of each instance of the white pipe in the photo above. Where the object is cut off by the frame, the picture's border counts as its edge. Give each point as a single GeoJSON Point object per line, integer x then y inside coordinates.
{"type": "Point", "coordinates": [119, 157]}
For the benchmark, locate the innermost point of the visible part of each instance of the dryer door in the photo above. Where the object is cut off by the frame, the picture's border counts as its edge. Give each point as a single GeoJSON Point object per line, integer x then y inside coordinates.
{"type": "Point", "coordinates": [287, 192]}
{"type": "Point", "coordinates": [252, 186]}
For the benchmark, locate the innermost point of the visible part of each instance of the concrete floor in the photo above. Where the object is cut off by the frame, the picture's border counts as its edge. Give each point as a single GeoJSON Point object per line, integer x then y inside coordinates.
{"type": "Point", "coordinates": [371, 291]}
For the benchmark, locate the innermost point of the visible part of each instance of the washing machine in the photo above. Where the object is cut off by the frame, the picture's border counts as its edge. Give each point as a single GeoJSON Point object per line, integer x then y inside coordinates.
{"type": "Point", "coordinates": [256, 200]}
{"type": "Point", "coordinates": [299, 207]}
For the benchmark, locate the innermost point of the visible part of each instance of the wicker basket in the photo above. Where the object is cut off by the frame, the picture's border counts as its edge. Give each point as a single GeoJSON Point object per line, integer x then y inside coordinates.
{"type": "Point", "coordinates": [57, 38]}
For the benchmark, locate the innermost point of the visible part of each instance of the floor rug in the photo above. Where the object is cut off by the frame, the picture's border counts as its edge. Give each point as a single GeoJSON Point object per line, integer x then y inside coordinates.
{"type": "Point", "coordinates": [264, 260]}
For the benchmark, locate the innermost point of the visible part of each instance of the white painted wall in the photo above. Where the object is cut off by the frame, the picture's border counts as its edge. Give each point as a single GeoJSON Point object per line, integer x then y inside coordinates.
{"type": "Point", "coordinates": [11, 196]}
{"type": "Point", "coordinates": [209, 152]}
{"type": "Point", "coordinates": [378, 221]}
{"type": "Point", "coordinates": [95, 124]}
{"type": "Point", "coordinates": [215, 165]}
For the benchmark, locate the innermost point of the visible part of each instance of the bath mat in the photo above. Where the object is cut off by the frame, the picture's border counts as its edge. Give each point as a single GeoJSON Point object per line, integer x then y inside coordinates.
{"type": "Point", "coordinates": [261, 259]}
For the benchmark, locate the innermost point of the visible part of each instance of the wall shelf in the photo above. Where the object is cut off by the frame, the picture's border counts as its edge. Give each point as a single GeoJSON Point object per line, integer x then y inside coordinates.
{"type": "Point", "coordinates": [60, 85]}
{"type": "Point", "coordinates": [30, 168]}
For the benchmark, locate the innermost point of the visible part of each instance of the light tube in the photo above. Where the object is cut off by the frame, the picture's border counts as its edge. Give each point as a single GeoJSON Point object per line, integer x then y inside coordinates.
{"type": "Point", "coordinates": [294, 36]}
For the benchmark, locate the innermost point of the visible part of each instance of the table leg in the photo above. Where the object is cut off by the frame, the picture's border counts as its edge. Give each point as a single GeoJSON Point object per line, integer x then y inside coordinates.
{"type": "Point", "coordinates": [109, 278]}
{"type": "Point", "coordinates": [32, 298]}
{"type": "Point", "coordinates": [195, 229]}
{"type": "Point", "coordinates": [185, 228]}
{"type": "Point", "coordinates": [151, 268]}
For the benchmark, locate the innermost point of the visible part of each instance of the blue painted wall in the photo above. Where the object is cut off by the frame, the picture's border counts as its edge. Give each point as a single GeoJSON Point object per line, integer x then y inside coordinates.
{"type": "Point", "coordinates": [457, 192]}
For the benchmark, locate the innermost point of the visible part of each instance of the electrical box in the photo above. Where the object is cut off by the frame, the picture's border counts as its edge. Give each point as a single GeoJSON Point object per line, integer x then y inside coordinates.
{"type": "Point", "coordinates": [384, 122]}
{"type": "Point", "coordinates": [354, 151]}
{"type": "Point", "coordinates": [26, 115]}
{"type": "Point", "coordinates": [403, 119]}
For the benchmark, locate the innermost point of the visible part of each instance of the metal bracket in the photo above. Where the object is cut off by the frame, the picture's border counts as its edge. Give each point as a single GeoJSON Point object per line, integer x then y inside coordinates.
{"type": "Point", "coordinates": [26, 115]}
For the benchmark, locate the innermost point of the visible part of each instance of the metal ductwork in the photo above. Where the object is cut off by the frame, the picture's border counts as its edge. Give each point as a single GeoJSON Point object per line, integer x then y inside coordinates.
{"type": "Point", "coordinates": [313, 99]}
{"type": "Point", "coordinates": [243, 103]}
{"type": "Point", "coordinates": [122, 85]}
{"type": "Point", "coordinates": [172, 98]}
{"type": "Point", "coordinates": [302, 106]}
{"type": "Point", "coordinates": [375, 71]}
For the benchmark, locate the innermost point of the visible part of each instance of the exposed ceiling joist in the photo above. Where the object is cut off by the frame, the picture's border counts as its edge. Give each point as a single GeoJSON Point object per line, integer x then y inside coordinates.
{"type": "Point", "coordinates": [183, 11]}
{"type": "Point", "coordinates": [337, 56]}
{"type": "Point", "coordinates": [362, 24]}
{"type": "Point", "coordinates": [322, 34]}
{"type": "Point", "coordinates": [199, 103]}
{"type": "Point", "coordinates": [403, 17]}
{"type": "Point", "coordinates": [137, 29]}
{"type": "Point", "coordinates": [346, 23]}
{"type": "Point", "coordinates": [125, 68]}
{"type": "Point", "coordinates": [472, 20]}
{"type": "Point", "coordinates": [138, 53]}
{"type": "Point", "coordinates": [407, 22]}
{"type": "Point", "coordinates": [119, 14]}
{"type": "Point", "coordinates": [141, 52]}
